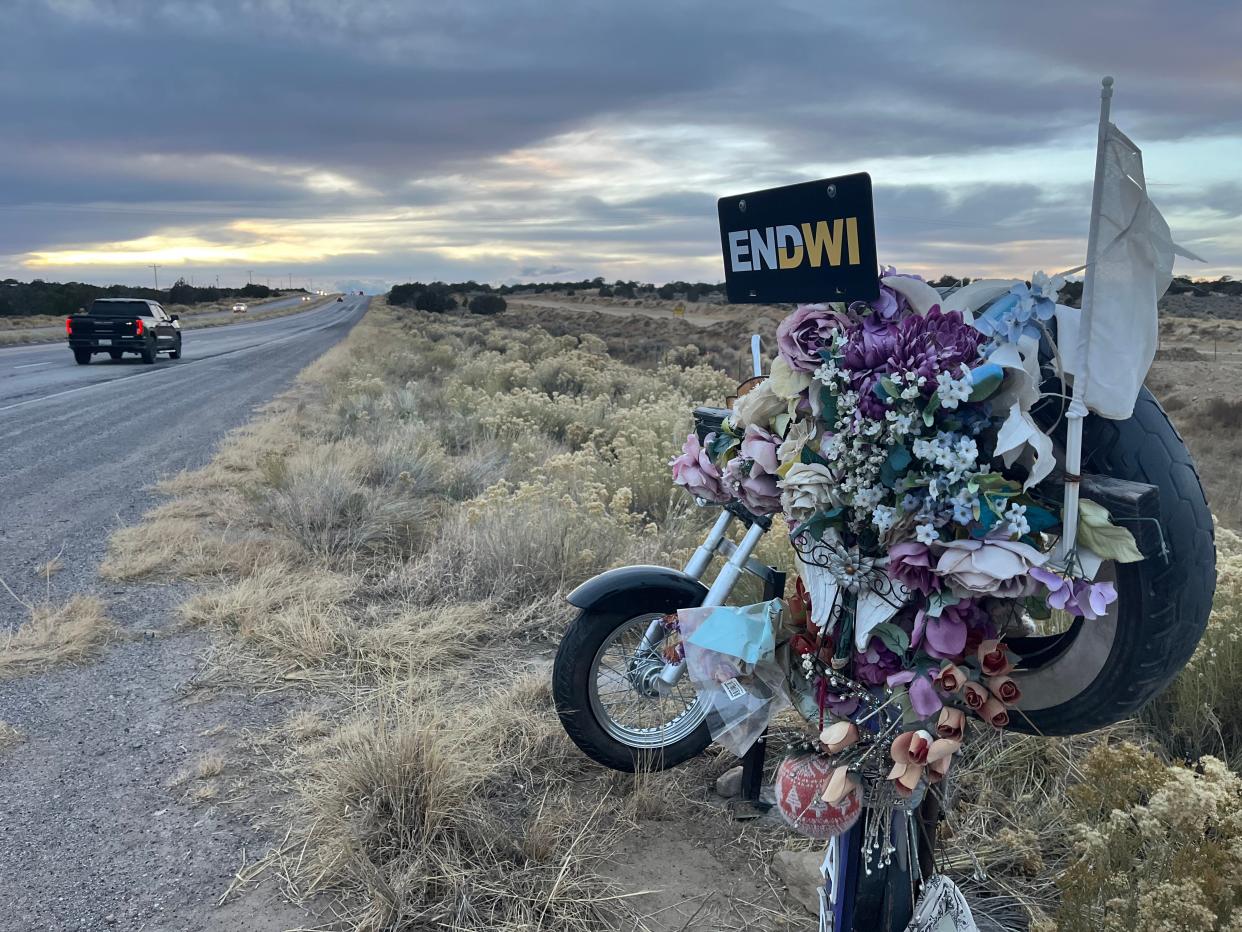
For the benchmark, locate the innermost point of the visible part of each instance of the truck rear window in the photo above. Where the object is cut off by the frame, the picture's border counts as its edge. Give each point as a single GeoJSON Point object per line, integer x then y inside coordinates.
{"type": "Point", "coordinates": [120, 309]}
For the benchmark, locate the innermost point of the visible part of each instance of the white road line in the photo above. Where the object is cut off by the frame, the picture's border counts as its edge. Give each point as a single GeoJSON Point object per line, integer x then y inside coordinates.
{"type": "Point", "coordinates": [31, 365]}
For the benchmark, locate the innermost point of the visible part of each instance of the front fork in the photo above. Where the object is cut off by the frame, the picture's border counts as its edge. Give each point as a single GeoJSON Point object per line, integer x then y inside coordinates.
{"type": "Point", "coordinates": [739, 556]}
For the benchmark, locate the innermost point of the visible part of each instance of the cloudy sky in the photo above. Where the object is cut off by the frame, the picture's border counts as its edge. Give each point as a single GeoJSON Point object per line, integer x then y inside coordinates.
{"type": "Point", "coordinates": [371, 141]}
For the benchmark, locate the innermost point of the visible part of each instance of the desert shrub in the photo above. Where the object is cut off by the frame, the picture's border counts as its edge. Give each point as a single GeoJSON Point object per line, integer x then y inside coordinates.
{"type": "Point", "coordinates": [435, 301]}
{"type": "Point", "coordinates": [487, 304]}
{"type": "Point", "coordinates": [1201, 711]}
{"type": "Point", "coordinates": [519, 544]}
{"type": "Point", "coordinates": [320, 501]}
{"type": "Point", "coordinates": [1167, 856]}
{"type": "Point", "coordinates": [415, 807]}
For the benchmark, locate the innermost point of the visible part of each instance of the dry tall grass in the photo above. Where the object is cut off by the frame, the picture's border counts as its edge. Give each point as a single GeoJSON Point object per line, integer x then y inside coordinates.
{"type": "Point", "coordinates": [396, 536]}
{"type": "Point", "coordinates": [68, 632]}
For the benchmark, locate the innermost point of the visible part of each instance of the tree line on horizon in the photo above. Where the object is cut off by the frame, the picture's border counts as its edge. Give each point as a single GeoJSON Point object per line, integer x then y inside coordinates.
{"type": "Point", "coordinates": [56, 299]}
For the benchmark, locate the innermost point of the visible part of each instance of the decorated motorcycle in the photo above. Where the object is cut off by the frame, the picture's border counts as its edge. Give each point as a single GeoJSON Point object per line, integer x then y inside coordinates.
{"type": "Point", "coordinates": [974, 550]}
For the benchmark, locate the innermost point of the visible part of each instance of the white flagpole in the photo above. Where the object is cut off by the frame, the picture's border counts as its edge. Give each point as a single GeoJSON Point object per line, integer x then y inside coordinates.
{"type": "Point", "coordinates": [1077, 409]}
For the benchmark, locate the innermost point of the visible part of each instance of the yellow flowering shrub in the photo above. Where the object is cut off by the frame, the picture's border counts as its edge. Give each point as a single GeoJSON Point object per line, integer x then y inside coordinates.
{"type": "Point", "coordinates": [1167, 856]}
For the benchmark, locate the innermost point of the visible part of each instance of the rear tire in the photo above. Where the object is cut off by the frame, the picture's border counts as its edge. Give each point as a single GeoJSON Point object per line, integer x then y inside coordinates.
{"type": "Point", "coordinates": [1107, 669]}
{"type": "Point", "coordinates": [148, 354]}
{"type": "Point", "coordinates": [573, 683]}
{"type": "Point", "coordinates": [82, 357]}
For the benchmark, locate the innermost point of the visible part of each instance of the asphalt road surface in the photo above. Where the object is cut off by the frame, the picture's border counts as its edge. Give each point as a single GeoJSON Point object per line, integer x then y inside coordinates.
{"type": "Point", "coordinates": [93, 834]}
{"type": "Point", "coordinates": [55, 334]}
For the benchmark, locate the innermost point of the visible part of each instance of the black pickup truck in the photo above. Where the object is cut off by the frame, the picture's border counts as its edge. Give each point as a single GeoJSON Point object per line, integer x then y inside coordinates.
{"type": "Point", "coordinates": [123, 325]}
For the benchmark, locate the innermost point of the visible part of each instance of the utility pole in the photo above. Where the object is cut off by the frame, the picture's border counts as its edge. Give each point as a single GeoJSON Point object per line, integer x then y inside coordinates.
{"type": "Point", "coordinates": [290, 281]}
{"type": "Point", "coordinates": [217, 279]}
{"type": "Point", "coordinates": [250, 276]}
{"type": "Point", "coordinates": [155, 269]}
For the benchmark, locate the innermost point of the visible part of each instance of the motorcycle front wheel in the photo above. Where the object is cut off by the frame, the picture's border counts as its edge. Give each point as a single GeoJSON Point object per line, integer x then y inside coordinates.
{"type": "Point", "coordinates": [604, 685]}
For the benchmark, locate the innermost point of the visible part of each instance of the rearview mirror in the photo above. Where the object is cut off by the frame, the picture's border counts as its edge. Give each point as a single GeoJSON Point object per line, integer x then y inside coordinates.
{"type": "Point", "coordinates": [174, 317]}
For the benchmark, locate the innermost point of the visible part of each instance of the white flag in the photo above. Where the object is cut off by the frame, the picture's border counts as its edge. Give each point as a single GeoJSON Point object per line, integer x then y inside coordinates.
{"type": "Point", "coordinates": [1109, 346]}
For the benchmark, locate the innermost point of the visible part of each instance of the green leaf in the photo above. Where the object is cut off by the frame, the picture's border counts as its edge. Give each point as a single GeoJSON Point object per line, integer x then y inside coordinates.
{"type": "Point", "coordinates": [1037, 607]}
{"type": "Point", "coordinates": [937, 602]}
{"type": "Point", "coordinates": [929, 412]}
{"type": "Point", "coordinates": [781, 423]}
{"type": "Point", "coordinates": [828, 406]}
{"type": "Point", "coordinates": [819, 522]}
{"type": "Point", "coordinates": [886, 387]}
{"type": "Point", "coordinates": [1040, 519]}
{"type": "Point", "coordinates": [892, 637]}
{"type": "Point", "coordinates": [1097, 532]}
{"type": "Point", "coordinates": [898, 460]}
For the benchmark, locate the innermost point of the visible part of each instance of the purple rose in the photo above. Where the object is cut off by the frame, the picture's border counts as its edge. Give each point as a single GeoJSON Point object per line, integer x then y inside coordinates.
{"type": "Point", "coordinates": [876, 664]}
{"type": "Point", "coordinates": [802, 334]}
{"type": "Point", "coordinates": [956, 632]}
{"type": "Point", "coordinates": [696, 472]}
{"type": "Point", "coordinates": [890, 305]}
{"type": "Point", "coordinates": [909, 563]}
{"type": "Point", "coordinates": [753, 485]}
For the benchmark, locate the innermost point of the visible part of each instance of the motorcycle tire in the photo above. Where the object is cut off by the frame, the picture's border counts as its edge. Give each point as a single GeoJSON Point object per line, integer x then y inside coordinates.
{"type": "Point", "coordinates": [573, 682]}
{"type": "Point", "coordinates": [1103, 671]}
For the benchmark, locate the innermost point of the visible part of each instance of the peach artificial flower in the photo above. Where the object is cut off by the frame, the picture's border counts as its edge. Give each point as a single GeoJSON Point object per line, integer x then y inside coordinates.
{"type": "Point", "coordinates": [838, 736]}
{"type": "Point", "coordinates": [911, 747]}
{"type": "Point", "coordinates": [1005, 689]}
{"type": "Point", "coordinates": [951, 724]}
{"type": "Point", "coordinates": [905, 777]}
{"type": "Point", "coordinates": [951, 678]}
{"type": "Point", "coordinates": [974, 695]}
{"type": "Point", "coordinates": [994, 712]}
{"type": "Point", "coordinates": [993, 658]}
{"type": "Point", "coordinates": [839, 786]}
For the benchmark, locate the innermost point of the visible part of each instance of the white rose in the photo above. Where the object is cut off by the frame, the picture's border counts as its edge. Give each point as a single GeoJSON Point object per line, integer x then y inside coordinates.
{"type": "Point", "coordinates": [758, 406]}
{"type": "Point", "coordinates": [808, 488]}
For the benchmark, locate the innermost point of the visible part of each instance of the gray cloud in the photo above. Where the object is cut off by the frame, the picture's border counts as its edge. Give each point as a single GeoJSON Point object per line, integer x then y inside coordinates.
{"type": "Point", "coordinates": [174, 115]}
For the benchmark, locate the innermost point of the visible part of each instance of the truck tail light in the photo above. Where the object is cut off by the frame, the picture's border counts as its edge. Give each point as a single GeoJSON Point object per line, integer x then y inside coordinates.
{"type": "Point", "coordinates": [68, 327]}
{"type": "Point", "coordinates": [138, 327]}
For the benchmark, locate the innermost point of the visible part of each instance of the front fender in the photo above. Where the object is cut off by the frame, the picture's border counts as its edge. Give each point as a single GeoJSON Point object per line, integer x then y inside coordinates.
{"type": "Point", "coordinates": [638, 590]}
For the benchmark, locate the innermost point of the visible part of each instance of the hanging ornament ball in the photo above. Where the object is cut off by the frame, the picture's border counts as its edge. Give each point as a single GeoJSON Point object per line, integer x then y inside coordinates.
{"type": "Point", "coordinates": [800, 782]}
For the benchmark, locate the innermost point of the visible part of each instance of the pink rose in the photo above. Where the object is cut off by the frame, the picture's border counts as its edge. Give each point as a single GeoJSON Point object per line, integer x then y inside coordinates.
{"type": "Point", "coordinates": [801, 335]}
{"type": "Point", "coordinates": [911, 747]}
{"type": "Point", "coordinates": [998, 568]}
{"type": "Point", "coordinates": [697, 473]}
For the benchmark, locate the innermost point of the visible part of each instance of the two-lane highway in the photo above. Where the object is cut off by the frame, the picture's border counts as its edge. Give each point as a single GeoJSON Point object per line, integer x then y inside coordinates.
{"type": "Point", "coordinates": [80, 444]}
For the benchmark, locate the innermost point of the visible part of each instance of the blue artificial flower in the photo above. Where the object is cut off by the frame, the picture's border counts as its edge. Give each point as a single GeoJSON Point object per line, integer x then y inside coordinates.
{"type": "Point", "coordinates": [1019, 312]}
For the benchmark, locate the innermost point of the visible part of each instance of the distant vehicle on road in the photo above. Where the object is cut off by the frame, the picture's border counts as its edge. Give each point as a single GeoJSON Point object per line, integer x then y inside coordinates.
{"type": "Point", "coordinates": [239, 309]}
{"type": "Point", "coordinates": [123, 325]}
{"type": "Point", "coordinates": [339, 298]}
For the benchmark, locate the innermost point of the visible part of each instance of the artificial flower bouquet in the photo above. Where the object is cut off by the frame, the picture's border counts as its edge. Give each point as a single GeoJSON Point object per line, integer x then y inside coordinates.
{"type": "Point", "coordinates": [907, 443]}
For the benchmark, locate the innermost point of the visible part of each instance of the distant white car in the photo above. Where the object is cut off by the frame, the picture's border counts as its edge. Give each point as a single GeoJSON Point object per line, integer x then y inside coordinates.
{"type": "Point", "coordinates": [239, 309]}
